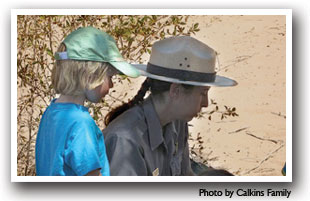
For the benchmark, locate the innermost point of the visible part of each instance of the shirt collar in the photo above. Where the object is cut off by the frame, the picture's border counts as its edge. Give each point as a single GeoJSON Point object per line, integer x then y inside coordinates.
{"type": "Point", "coordinates": [156, 136]}
{"type": "Point", "coordinates": [170, 128]}
{"type": "Point", "coordinates": [67, 105]}
{"type": "Point", "coordinates": [153, 124]}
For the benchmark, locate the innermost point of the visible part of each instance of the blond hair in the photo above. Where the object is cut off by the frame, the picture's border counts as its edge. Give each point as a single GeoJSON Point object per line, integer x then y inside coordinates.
{"type": "Point", "coordinates": [73, 77]}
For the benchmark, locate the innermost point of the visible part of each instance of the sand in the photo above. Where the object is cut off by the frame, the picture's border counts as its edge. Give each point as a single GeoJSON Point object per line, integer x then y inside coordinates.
{"type": "Point", "coordinates": [252, 51]}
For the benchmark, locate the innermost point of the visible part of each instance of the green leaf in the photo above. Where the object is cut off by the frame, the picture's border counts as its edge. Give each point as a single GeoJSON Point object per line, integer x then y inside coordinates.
{"type": "Point", "coordinates": [49, 52]}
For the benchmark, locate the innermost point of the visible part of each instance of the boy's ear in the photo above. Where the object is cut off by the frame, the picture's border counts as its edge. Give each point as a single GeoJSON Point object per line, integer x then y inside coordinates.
{"type": "Point", "coordinates": [174, 90]}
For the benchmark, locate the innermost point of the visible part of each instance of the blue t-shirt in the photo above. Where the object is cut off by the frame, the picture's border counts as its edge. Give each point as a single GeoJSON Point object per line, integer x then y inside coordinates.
{"type": "Point", "coordinates": [69, 142]}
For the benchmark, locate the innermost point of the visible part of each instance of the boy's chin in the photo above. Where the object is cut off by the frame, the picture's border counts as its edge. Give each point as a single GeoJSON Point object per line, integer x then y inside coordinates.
{"type": "Point", "coordinates": [95, 99]}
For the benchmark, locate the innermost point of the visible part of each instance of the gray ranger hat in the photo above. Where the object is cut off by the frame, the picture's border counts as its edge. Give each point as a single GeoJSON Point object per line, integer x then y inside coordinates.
{"type": "Point", "coordinates": [184, 60]}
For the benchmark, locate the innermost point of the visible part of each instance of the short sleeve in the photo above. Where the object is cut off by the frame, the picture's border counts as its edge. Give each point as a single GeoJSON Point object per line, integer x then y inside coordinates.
{"type": "Point", "coordinates": [84, 151]}
{"type": "Point", "coordinates": [126, 158]}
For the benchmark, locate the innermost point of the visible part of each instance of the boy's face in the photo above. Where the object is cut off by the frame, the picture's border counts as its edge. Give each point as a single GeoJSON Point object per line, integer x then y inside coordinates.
{"type": "Point", "coordinates": [95, 95]}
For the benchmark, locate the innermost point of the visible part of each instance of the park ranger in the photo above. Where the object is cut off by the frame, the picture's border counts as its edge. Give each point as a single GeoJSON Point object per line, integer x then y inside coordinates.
{"type": "Point", "coordinates": [150, 135]}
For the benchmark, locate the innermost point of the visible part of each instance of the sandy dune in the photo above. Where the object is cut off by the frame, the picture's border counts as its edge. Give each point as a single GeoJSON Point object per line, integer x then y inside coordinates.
{"type": "Point", "coordinates": [252, 51]}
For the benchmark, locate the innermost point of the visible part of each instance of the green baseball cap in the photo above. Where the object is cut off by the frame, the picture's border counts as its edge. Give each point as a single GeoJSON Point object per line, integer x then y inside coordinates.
{"type": "Point", "coordinates": [91, 44]}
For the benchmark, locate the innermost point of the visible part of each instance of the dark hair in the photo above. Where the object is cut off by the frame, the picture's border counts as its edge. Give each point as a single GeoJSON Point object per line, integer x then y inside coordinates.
{"type": "Point", "coordinates": [155, 86]}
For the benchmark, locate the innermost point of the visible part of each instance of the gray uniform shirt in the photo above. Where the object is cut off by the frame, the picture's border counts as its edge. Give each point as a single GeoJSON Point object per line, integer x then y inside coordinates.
{"type": "Point", "coordinates": [137, 144]}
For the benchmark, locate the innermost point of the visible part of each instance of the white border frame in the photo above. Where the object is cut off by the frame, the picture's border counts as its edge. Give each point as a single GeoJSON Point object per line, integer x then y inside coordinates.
{"type": "Point", "coordinates": [286, 12]}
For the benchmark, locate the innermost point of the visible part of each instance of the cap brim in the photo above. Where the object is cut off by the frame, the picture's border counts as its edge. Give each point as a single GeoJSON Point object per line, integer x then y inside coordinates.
{"type": "Point", "coordinates": [220, 81]}
{"type": "Point", "coordinates": [126, 68]}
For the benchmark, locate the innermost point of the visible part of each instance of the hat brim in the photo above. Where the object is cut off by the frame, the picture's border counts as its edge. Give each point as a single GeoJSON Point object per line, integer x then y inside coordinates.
{"type": "Point", "coordinates": [220, 81]}
{"type": "Point", "coordinates": [126, 68]}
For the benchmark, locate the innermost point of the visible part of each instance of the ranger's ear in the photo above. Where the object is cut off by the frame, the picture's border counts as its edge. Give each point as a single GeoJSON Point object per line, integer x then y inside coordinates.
{"type": "Point", "coordinates": [175, 90]}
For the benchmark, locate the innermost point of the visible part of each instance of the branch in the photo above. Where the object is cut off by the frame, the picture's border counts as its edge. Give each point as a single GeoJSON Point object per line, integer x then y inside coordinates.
{"type": "Point", "coordinates": [238, 60]}
{"type": "Point", "coordinates": [279, 114]}
{"type": "Point", "coordinates": [236, 131]}
{"type": "Point", "coordinates": [250, 134]}
{"type": "Point", "coordinates": [265, 159]}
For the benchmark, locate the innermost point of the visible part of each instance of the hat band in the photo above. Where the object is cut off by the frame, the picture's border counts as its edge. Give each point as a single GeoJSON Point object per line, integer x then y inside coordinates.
{"type": "Point", "coordinates": [183, 75]}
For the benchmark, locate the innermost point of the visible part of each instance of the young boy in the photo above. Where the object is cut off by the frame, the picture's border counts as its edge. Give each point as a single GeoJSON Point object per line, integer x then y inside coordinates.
{"type": "Point", "coordinates": [68, 141]}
